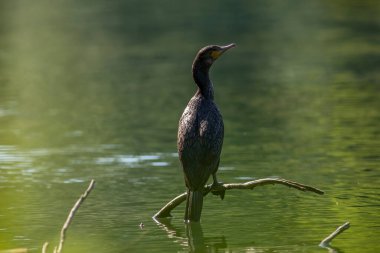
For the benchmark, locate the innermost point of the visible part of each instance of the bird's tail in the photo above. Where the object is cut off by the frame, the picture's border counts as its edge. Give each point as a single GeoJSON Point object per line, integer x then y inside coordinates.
{"type": "Point", "coordinates": [194, 203]}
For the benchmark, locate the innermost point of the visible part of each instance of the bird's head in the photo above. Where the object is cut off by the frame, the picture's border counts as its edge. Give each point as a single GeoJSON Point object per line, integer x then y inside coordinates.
{"type": "Point", "coordinates": [208, 55]}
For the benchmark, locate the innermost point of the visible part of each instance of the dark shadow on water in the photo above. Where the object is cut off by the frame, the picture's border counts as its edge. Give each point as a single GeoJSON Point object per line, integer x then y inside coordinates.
{"type": "Point", "coordinates": [194, 238]}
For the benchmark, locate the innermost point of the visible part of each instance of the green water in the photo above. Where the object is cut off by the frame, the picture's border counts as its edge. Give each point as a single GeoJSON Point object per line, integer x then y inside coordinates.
{"type": "Point", "coordinates": [94, 89]}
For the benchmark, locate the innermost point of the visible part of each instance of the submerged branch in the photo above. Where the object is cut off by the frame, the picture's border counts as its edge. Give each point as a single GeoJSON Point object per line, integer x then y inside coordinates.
{"type": "Point", "coordinates": [326, 242]}
{"type": "Point", "coordinates": [218, 189]}
{"type": "Point", "coordinates": [165, 211]}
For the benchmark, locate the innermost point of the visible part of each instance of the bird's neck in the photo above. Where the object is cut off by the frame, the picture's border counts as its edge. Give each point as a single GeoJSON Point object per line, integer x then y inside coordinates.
{"type": "Point", "coordinates": [201, 78]}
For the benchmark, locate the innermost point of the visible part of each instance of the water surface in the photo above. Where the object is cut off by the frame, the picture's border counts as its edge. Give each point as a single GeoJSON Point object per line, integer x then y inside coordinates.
{"type": "Point", "coordinates": [94, 90]}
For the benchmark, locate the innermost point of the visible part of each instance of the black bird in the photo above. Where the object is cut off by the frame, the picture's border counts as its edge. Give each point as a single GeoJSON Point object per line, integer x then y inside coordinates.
{"type": "Point", "coordinates": [200, 133]}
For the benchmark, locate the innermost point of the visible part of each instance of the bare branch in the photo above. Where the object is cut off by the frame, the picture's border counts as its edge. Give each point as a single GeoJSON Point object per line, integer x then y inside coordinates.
{"type": "Point", "coordinates": [44, 248]}
{"type": "Point", "coordinates": [72, 213]}
{"type": "Point", "coordinates": [265, 181]}
{"type": "Point", "coordinates": [165, 211]}
{"type": "Point", "coordinates": [217, 189]}
{"type": "Point", "coordinates": [326, 242]}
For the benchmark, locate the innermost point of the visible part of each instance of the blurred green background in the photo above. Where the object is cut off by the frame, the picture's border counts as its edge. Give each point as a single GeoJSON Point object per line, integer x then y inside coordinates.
{"type": "Point", "coordinates": [94, 89]}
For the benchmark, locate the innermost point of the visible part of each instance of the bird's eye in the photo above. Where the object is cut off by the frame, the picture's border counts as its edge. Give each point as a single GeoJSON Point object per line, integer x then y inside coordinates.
{"type": "Point", "coordinates": [215, 54]}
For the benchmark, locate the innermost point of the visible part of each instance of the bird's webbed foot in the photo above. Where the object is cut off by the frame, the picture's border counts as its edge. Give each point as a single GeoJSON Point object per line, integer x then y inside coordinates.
{"type": "Point", "coordinates": [216, 188]}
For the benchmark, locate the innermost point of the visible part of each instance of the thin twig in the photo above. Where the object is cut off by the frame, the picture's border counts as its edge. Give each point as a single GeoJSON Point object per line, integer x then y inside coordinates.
{"type": "Point", "coordinates": [44, 248]}
{"type": "Point", "coordinates": [165, 211]}
{"type": "Point", "coordinates": [72, 213]}
{"type": "Point", "coordinates": [326, 242]}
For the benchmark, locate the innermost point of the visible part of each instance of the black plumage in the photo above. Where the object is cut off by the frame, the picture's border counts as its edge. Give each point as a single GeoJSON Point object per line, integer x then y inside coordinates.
{"type": "Point", "coordinates": [200, 133]}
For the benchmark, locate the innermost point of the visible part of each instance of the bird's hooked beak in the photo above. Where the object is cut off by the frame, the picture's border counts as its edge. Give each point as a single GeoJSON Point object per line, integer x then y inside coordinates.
{"type": "Point", "coordinates": [215, 55]}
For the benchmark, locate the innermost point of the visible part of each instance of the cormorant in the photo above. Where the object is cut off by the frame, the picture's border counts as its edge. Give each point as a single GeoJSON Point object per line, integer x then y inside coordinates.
{"type": "Point", "coordinates": [200, 133]}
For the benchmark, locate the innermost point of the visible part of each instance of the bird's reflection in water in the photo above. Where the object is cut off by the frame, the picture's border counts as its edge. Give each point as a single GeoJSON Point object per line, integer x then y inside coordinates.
{"type": "Point", "coordinates": [193, 238]}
